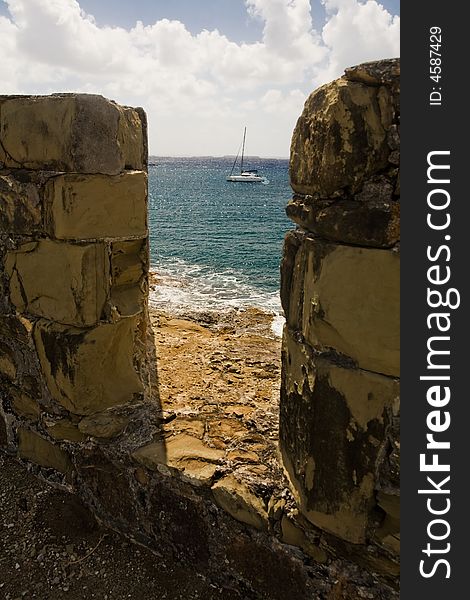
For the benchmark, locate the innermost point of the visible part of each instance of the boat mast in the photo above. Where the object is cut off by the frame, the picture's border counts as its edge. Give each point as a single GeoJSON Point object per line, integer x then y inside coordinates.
{"type": "Point", "coordinates": [235, 161]}
{"type": "Point", "coordinates": [243, 151]}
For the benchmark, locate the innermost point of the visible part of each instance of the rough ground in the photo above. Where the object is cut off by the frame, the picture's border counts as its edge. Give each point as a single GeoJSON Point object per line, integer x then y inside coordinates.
{"type": "Point", "coordinates": [51, 548]}
{"type": "Point", "coordinates": [219, 381]}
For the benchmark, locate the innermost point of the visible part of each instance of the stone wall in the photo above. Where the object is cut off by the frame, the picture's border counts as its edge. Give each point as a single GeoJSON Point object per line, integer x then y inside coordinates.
{"type": "Point", "coordinates": [79, 400]}
{"type": "Point", "coordinates": [339, 433]}
{"type": "Point", "coordinates": [73, 269]}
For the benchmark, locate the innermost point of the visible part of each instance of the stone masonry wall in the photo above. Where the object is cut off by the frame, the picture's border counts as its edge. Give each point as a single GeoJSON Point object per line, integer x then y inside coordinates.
{"type": "Point", "coordinates": [79, 399]}
{"type": "Point", "coordinates": [339, 433]}
{"type": "Point", "coordinates": [73, 269]}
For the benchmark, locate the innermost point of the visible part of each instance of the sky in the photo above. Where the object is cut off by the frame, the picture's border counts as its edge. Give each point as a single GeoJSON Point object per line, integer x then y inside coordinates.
{"type": "Point", "coordinates": [202, 69]}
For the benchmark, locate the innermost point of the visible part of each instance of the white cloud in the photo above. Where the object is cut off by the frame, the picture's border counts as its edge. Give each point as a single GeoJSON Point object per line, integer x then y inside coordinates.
{"type": "Point", "coordinates": [275, 102]}
{"type": "Point", "coordinates": [199, 90]}
{"type": "Point", "coordinates": [357, 32]}
{"type": "Point", "coordinates": [288, 32]}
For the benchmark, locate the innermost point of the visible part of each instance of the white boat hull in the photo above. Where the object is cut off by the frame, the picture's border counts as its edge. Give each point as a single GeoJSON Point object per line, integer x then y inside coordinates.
{"type": "Point", "coordinates": [246, 178]}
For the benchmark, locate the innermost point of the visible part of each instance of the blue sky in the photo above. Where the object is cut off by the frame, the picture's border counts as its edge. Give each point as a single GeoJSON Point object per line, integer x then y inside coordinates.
{"type": "Point", "coordinates": [229, 16]}
{"type": "Point", "coordinates": [202, 69]}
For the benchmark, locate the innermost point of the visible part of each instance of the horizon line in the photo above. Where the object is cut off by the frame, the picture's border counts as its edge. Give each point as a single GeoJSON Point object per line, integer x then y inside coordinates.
{"type": "Point", "coordinates": [214, 156]}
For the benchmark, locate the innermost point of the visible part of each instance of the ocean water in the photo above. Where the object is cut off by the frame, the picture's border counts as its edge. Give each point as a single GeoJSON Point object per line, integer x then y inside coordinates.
{"type": "Point", "coordinates": [216, 245]}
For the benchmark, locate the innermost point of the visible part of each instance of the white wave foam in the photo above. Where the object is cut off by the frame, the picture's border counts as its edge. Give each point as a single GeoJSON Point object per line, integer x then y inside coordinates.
{"type": "Point", "coordinates": [278, 325]}
{"type": "Point", "coordinates": [184, 288]}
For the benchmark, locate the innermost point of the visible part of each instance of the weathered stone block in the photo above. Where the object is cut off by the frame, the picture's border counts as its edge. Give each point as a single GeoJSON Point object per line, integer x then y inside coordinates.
{"type": "Point", "coordinates": [235, 498]}
{"type": "Point", "coordinates": [71, 132]}
{"type": "Point", "coordinates": [7, 362]}
{"type": "Point", "coordinates": [62, 282]}
{"type": "Point", "coordinates": [389, 532]}
{"type": "Point", "coordinates": [103, 425]}
{"type": "Point", "coordinates": [97, 206]}
{"type": "Point", "coordinates": [19, 361]}
{"type": "Point", "coordinates": [293, 535]}
{"type": "Point", "coordinates": [25, 406]}
{"type": "Point", "coordinates": [292, 276]}
{"type": "Point", "coordinates": [65, 430]}
{"type": "Point", "coordinates": [377, 72]}
{"type": "Point", "coordinates": [334, 427]}
{"type": "Point", "coordinates": [390, 504]}
{"type": "Point", "coordinates": [41, 452]}
{"type": "Point", "coordinates": [340, 139]}
{"type": "Point", "coordinates": [350, 300]}
{"type": "Point", "coordinates": [128, 300]}
{"type": "Point", "coordinates": [88, 370]}
{"type": "Point", "coordinates": [352, 304]}
{"type": "Point", "coordinates": [14, 330]}
{"type": "Point", "coordinates": [128, 268]}
{"type": "Point", "coordinates": [20, 204]}
{"type": "Point", "coordinates": [127, 262]}
{"type": "Point", "coordinates": [195, 461]}
{"type": "Point", "coordinates": [375, 223]}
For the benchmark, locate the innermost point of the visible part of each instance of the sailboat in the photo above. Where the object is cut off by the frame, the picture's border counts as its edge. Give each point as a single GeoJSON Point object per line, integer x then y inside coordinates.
{"type": "Point", "coordinates": [247, 175]}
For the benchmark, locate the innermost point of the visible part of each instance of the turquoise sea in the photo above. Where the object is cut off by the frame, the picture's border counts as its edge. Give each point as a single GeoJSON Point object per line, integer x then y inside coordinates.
{"type": "Point", "coordinates": [216, 245]}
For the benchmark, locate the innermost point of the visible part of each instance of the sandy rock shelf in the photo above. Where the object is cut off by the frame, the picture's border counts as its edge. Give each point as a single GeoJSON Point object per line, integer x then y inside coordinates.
{"type": "Point", "coordinates": [218, 387]}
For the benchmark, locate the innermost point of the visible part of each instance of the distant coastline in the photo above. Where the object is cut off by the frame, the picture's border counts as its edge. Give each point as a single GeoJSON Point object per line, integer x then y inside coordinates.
{"type": "Point", "coordinates": [156, 157]}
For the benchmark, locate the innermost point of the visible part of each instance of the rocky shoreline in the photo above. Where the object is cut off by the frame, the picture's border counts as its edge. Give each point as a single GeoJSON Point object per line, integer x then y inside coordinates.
{"type": "Point", "coordinates": [217, 382]}
{"type": "Point", "coordinates": [221, 317]}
